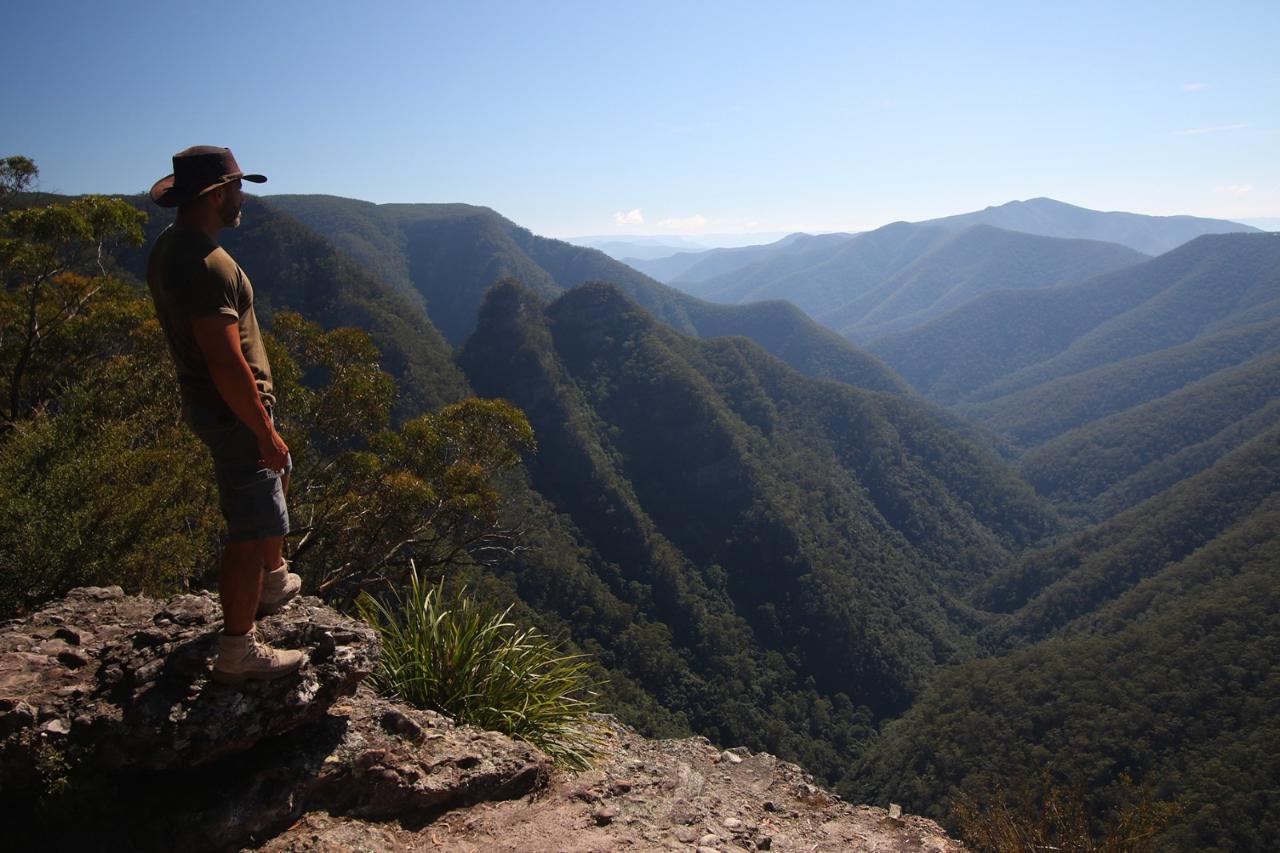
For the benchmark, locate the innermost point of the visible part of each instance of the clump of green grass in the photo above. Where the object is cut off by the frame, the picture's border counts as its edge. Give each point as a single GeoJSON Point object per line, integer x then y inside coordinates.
{"type": "Point", "coordinates": [446, 653]}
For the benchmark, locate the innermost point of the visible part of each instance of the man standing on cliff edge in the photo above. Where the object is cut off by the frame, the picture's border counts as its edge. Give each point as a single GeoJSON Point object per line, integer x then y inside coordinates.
{"type": "Point", "coordinates": [205, 305]}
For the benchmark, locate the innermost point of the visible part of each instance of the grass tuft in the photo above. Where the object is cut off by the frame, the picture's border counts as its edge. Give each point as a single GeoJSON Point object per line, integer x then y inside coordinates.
{"type": "Point", "coordinates": [444, 652]}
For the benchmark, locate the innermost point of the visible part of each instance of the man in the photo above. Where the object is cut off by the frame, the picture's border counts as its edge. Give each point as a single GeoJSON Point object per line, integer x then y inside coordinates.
{"type": "Point", "coordinates": [205, 305]}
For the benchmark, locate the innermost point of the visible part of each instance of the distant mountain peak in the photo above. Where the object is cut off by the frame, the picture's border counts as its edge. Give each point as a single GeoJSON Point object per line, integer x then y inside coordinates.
{"type": "Point", "coordinates": [1047, 217]}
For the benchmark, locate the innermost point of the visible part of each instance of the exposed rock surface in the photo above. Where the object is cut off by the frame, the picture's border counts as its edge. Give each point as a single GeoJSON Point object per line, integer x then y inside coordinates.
{"type": "Point", "coordinates": [369, 758]}
{"type": "Point", "coordinates": [127, 678]}
{"type": "Point", "coordinates": [112, 737]}
{"type": "Point", "coordinates": [646, 795]}
{"type": "Point", "coordinates": [110, 693]}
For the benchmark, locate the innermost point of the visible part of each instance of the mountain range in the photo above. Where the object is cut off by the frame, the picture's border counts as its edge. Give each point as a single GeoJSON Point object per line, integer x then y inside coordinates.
{"type": "Point", "coordinates": [1045, 217]}
{"type": "Point", "coordinates": [444, 257]}
{"type": "Point", "coordinates": [1151, 235]}
{"type": "Point", "coordinates": [764, 535]}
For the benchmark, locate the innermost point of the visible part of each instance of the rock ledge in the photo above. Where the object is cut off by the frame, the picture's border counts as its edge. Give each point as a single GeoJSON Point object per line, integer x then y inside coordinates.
{"type": "Point", "coordinates": [113, 737]}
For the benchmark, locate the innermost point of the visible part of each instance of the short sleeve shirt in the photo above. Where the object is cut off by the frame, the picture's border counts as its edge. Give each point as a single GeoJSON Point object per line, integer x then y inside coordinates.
{"type": "Point", "coordinates": [190, 277]}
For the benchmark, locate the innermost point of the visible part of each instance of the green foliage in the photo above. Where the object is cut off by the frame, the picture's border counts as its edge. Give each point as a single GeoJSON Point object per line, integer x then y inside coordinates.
{"type": "Point", "coordinates": [47, 298]}
{"type": "Point", "coordinates": [365, 497]}
{"type": "Point", "coordinates": [101, 483]}
{"type": "Point", "coordinates": [105, 484]}
{"type": "Point", "coordinates": [443, 652]}
{"type": "Point", "coordinates": [16, 174]}
{"type": "Point", "coordinates": [369, 499]}
{"type": "Point", "coordinates": [340, 397]}
{"type": "Point", "coordinates": [89, 490]}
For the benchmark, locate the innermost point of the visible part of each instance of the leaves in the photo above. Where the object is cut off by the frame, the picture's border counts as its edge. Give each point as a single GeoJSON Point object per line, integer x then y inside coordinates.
{"type": "Point", "coordinates": [444, 652]}
{"type": "Point", "coordinates": [44, 255]}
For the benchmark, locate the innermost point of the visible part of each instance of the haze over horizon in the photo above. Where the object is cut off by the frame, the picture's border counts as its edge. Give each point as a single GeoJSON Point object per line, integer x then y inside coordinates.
{"type": "Point", "coordinates": [664, 119]}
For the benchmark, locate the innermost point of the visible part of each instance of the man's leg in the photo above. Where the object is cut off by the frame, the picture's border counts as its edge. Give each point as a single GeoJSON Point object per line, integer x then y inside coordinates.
{"type": "Point", "coordinates": [272, 551]}
{"type": "Point", "coordinates": [240, 585]}
{"type": "Point", "coordinates": [240, 655]}
{"type": "Point", "coordinates": [279, 586]}
{"type": "Point", "coordinates": [257, 518]}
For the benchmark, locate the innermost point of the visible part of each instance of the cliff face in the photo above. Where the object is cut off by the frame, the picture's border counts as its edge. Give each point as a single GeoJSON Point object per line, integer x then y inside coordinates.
{"type": "Point", "coordinates": [112, 737]}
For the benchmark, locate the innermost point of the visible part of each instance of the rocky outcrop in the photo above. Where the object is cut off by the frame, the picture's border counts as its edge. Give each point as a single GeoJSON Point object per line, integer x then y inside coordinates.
{"type": "Point", "coordinates": [122, 681]}
{"type": "Point", "coordinates": [112, 737]}
{"type": "Point", "coordinates": [368, 759]}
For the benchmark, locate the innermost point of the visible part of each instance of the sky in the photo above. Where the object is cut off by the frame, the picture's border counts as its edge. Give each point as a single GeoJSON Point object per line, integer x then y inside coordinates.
{"type": "Point", "coordinates": [688, 118]}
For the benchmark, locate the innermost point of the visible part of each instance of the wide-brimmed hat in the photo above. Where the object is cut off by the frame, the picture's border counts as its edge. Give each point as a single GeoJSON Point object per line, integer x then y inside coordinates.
{"type": "Point", "coordinates": [196, 171]}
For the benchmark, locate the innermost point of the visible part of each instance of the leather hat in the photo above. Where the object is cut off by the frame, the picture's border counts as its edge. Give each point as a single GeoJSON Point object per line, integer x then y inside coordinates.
{"type": "Point", "coordinates": [196, 171]}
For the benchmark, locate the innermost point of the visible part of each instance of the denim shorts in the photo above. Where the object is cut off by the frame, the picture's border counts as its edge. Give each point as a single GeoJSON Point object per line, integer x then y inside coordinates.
{"type": "Point", "coordinates": [251, 497]}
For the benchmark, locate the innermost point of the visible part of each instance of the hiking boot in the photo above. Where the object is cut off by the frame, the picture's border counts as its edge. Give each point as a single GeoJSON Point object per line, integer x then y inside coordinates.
{"type": "Point", "coordinates": [244, 658]}
{"type": "Point", "coordinates": [279, 587]}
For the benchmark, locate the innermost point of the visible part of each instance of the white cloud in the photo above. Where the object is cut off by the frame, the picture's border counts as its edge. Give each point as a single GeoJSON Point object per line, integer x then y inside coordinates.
{"type": "Point", "coordinates": [631, 217]}
{"type": "Point", "coordinates": [1233, 189]}
{"type": "Point", "coordinates": [1194, 87]}
{"type": "Point", "coordinates": [689, 223]}
{"type": "Point", "coordinates": [1218, 129]}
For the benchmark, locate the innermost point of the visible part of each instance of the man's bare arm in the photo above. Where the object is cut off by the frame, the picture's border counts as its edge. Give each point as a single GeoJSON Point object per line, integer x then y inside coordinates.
{"type": "Point", "coordinates": [219, 340]}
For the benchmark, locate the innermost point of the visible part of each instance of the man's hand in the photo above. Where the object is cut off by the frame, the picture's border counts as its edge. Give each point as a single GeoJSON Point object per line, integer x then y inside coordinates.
{"type": "Point", "coordinates": [274, 452]}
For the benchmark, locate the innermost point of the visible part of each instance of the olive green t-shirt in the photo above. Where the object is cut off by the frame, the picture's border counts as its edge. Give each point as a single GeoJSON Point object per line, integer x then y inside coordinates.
{"type": "Point", "coordinates": [190, 276]}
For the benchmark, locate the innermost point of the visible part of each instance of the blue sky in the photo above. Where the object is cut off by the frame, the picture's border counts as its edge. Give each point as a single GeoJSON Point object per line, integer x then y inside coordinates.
{"type": "Point", "coordinates": [650, 118]}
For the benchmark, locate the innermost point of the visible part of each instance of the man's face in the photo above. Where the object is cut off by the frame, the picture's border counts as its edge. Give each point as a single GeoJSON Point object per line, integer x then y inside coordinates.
{"type": "Point", "coordinates": [229, 207]}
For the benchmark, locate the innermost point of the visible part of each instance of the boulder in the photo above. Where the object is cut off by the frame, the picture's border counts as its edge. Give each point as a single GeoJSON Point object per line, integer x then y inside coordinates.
{"type": "Point", "coordinates": [119, 682]}
{"type": "Point", "coordinates": [370, 759]}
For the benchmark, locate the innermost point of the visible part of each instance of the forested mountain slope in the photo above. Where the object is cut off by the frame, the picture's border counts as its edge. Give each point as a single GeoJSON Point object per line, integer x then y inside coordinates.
{"type": "Point", "coordinates": [686, 269]}
{"type": "Point", "coordinates": [1230, 281]}
{"type": "Point", "coordinates": [1118, 388]}
{"type": "Point", "coordinates": [1047, 589]}
{"type": "Point", "coordinates": [1038, 414]}
{"type": "Point", "coordinates": [821, 529]}
{"type": "Point", "coordinates": [820, 274]}
{"type": "Point", "coordinates": [900, 276]}
{"type": "Point", "coordinates": [450, 254]}
{"type": "Point", "coordinates": [295, 269]}
{"type": "Point", "coordinates": [1118, 461]}
{"type": "Point", "coordinates": [1163, 632]}
{"type": "Point", "coordinates": [1152, 235]}
{"type": "Point", "coordinates": [1144, 401]}
{"type": "Point", "coordinates": [1006, 341]}
{"type": "Point", "coordinates": [973, 261]}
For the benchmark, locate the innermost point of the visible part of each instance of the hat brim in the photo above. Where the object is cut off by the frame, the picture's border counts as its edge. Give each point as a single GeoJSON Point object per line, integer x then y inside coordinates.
{"type": "Point", "coordinates": [165, 194]}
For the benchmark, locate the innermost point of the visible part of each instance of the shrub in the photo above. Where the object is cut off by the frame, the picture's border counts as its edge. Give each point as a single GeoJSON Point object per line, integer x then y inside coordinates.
{"type": "Point", "coordinates": [1060, 818]}
{"type": "Point", "coordinates": [444, 652]}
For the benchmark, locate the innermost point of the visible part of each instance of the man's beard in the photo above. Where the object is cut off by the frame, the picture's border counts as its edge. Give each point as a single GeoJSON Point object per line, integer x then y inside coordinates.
{"type": "Point", "coordinates": [230, 214]}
